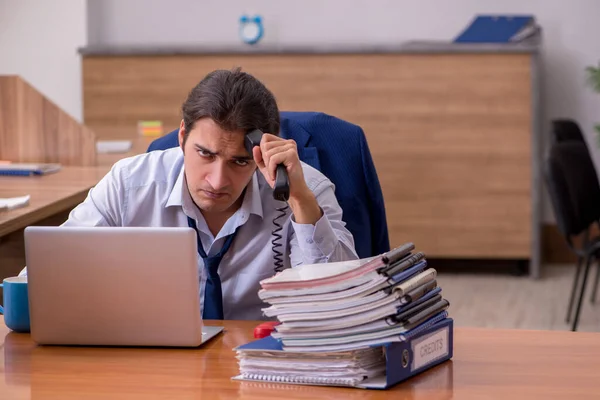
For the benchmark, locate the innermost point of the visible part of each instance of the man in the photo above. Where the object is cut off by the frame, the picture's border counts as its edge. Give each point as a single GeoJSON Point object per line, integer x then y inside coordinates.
{"type": "Point", "coordinates": [212, 184]}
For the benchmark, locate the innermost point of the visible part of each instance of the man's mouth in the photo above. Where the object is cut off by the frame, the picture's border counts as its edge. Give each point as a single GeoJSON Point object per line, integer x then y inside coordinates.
{"type": "Point", "coordinates": [213, 195]}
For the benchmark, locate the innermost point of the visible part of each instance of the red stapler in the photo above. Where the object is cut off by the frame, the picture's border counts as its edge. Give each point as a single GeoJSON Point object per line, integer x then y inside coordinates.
{"type": "Point", "coordinates": [265, 329]}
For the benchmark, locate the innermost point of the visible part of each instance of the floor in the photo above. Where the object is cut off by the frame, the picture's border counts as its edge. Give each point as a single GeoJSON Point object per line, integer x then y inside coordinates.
{"type": "Point", "coordinates": [502, 300]}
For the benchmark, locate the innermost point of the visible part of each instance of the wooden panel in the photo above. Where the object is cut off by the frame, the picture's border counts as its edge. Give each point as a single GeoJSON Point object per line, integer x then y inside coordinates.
{"type": "Point", "coordinates": [34, 129]}
{"type": "Point", "coordinates": [10, 118]}
{"type": "Point", "coordinates": [487, 363]}
{"type": "Point", "coordinates": [450, 134]}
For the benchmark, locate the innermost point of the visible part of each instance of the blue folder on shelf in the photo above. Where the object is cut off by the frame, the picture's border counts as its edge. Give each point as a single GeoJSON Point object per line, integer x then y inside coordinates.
{"type": "Point", "coordinates": [498, 29]}
{"type": "Point", "coordinates": [418, 351]}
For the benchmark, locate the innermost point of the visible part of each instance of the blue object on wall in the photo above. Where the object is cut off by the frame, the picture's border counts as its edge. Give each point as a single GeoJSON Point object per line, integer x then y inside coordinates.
{"type": "Point", "coordinates": [251, 29]}
{"type": "Point", "coordinates": [498, 29]}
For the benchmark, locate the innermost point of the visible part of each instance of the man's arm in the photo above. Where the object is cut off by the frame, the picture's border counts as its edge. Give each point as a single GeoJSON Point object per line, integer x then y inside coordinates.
{"type": "Point", "coordinates": [319, 234]}
{"type": "Point", "coordinates": [103, 204]}
{"type": "Point", "coordinates": [327, 240]}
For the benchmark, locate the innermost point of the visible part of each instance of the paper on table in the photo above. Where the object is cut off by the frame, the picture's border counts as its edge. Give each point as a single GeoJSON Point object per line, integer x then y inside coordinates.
{"type": "Point", "coordinates": [319, 368]}
{"type": "Point", "coordinates": [316, 275]}
{"type": "Point", "coordinates": [334, 314]}
{"type": "Point", "coordinates": [322, 306]}
{"type": "Point", "coordinates": [368, 327]}
{"type": "Point", "coordinates": [342, 322]}
{"type": "Point", "coordinates": [13, 202]}
{"type": "Point", "coordinates": [264, 294]}
{"type": "Point", "coordinates": [282, 297]}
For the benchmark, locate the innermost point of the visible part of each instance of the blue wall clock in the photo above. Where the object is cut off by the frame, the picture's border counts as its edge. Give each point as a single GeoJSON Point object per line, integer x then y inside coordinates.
{"type": "Point", "coordinates": [251, 29]}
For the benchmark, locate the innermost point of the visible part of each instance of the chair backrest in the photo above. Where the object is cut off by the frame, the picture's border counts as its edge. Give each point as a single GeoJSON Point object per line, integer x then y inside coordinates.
{"type": "Point", "coordinates": [565, 130]}
{"type": "Point", "coordinates": [340, 151]}
{"type": "Point", "coordinates": [573, 187]}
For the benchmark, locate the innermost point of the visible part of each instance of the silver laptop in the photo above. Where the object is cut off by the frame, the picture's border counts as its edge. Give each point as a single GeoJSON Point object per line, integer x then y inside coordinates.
{"type": "Point", "coordinates": [114, 287]}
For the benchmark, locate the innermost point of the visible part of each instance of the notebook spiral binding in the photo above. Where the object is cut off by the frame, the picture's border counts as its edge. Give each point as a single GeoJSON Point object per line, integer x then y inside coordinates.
{"type": "Point", "coordinates": [302, 379]}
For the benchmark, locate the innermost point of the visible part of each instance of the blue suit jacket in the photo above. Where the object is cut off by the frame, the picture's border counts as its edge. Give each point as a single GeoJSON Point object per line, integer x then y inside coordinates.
{"type": "Point", "coordinates": [339, 150]}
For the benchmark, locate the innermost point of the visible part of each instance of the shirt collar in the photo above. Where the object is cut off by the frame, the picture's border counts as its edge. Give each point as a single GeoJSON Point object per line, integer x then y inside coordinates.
{"type": "Point", "coordinates": [176, 195]}
{"type": "Point", "coordinates": [252, 202]}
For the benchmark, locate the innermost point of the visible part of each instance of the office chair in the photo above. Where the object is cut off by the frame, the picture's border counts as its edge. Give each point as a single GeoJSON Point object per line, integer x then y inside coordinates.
{"type": "Point", "coordinates": [575, 194]}
{"type": "Point", "coordinates": [568, 130]}
{"type": "Point", "coordinates": [565, 130]}
{"type": "Point", "coordinates": [340, 151]}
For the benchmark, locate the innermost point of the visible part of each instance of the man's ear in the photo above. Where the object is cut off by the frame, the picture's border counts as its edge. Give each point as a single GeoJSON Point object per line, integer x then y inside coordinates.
{"type": "Point", "coordinates": [181, 134]}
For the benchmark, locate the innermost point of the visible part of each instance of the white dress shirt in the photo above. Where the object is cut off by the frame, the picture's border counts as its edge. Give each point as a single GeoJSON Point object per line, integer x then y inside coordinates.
{"type": "Point", "coordinates": [150, 190]}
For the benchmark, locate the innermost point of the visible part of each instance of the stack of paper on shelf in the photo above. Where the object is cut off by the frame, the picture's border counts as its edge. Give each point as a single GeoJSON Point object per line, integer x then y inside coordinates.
{"type": "Point", "coordinates": [351, 306]}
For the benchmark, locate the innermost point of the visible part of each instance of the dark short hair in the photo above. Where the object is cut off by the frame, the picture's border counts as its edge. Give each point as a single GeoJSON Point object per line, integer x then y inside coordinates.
{"type": "Point", "coordinates": [235, 100]}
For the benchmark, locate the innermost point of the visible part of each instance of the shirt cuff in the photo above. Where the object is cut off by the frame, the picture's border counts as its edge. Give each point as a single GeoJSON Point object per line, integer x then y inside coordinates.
{"type": "Point", "coordinates": [318, 240]}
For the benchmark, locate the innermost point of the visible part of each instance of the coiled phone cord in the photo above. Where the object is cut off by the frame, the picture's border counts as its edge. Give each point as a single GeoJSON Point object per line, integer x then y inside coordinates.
{"type": "Point", "coordinates": [277, 236]}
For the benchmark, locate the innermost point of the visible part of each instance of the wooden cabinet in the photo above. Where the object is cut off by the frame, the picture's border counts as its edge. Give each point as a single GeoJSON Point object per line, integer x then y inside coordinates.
{"type": "Point", "coordinates": [451, 133]}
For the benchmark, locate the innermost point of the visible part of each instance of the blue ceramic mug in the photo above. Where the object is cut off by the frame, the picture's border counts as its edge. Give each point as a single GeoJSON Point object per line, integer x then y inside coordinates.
{"type": "Point", "coordinates": [16, 303]}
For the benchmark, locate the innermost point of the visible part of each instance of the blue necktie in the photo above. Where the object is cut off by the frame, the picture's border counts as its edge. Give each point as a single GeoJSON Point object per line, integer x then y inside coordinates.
{"type": "Point", "coordinates": [213, 293]}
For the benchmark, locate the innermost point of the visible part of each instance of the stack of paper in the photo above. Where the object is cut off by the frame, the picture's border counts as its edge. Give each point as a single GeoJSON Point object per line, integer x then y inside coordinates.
{"type": "Point", "coordinates": [352, 305]}
{"type": "Point", "coordinates": [348, 323]}
{"type": "Point", "coordinates": [324, 368]}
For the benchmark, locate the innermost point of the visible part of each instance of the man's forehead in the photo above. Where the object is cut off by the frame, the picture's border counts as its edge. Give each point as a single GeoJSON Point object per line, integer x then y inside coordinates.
{"type": "Point", "coordinates": [218, 140]}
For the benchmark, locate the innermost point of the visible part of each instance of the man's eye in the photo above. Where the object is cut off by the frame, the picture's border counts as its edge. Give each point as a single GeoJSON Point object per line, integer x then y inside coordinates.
{"type": "Point", "coordinates": [204, 153]}
{"type": "Point", "coordinates": [241, 163]}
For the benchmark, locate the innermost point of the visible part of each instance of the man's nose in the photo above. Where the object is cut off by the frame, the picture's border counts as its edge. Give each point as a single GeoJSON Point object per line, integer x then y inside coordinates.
{"type": "Point", "coordinates": [218, 177]}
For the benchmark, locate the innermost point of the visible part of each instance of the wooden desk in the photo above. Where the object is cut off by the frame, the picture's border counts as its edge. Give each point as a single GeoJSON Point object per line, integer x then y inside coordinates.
{"type": "Point", "coordinates": [50, 194]}
{"type": "Point", "coordinates": [487, 364]}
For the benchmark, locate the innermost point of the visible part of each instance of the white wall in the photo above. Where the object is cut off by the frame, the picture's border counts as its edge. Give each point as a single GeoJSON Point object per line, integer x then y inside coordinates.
{"type": "Point", "coordinates": [571, 33]}
{"type": "Point", "coordinates": [39, 41]}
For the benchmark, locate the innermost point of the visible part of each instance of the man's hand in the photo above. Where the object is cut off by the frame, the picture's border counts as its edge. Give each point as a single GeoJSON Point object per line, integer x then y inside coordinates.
{"type": "Point", "coordinates": [273, 151]}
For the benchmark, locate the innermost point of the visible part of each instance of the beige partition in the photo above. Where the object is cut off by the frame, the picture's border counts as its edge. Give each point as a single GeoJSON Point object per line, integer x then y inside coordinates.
{"type": "Point", "coordinates": [34, 129]}
{"type": "Point", "coordinates": [450, 133]}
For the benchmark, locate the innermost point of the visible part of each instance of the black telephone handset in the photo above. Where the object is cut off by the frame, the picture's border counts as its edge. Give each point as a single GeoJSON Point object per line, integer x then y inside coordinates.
{"type": "Point", "coordinates": [281, 191]}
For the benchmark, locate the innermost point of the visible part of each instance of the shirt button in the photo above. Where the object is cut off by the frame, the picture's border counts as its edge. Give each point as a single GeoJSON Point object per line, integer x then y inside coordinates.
{"type": "Point", "coordinates": [309, 241]}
